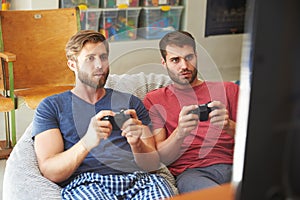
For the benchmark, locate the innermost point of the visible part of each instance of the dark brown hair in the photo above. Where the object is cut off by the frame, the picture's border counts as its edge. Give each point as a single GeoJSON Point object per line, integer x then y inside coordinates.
{"type": "Point", "coordinates": [178, 38]}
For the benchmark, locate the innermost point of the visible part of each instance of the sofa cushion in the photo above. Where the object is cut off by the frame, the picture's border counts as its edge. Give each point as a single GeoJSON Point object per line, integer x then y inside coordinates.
{"type": "Point", "coordinates": [137, 84]}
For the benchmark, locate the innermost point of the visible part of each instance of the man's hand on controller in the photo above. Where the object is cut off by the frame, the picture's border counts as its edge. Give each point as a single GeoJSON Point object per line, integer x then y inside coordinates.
{"type": "Point", "coordinates": [133, 128]}
{"type": "Point", "coordinates": [98, 129]}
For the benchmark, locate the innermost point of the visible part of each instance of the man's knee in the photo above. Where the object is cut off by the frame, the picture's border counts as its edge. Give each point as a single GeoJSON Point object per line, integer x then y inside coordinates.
{"type": "Point", "coordinates": [191, 180]}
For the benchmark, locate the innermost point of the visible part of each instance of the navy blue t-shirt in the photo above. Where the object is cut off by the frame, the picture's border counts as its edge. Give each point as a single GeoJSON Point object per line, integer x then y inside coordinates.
{"type": "Point", "coordinates": [72, 116]}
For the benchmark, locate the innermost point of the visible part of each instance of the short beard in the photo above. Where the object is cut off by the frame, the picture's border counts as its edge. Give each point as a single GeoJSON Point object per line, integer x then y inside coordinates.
{"type": "Point", "coordinates": [84, 78]}
{"type": "Point", "coordinates": [175, 78]}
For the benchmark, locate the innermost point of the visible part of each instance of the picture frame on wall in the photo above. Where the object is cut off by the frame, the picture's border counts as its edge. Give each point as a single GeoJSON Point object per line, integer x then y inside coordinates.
{"type": "Point", "coordinates": [225, 17]}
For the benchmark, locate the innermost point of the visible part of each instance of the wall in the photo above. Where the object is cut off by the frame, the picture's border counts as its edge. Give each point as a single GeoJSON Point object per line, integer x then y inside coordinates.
{"type": "Point", "coordinates": [33, 4]}
{"type": "Point", "coordinates": [135, 56]}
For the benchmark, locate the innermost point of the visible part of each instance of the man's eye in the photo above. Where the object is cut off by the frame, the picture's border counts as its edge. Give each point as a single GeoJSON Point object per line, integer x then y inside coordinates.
{"type": "Point", "coordinates": [174, 60]}
{"type": "Point", "coordinates": [104, 57]}
{"type": "Point", "coordinates": [90, 58]}
{"type": "Point", "coordinates": [189, 57]}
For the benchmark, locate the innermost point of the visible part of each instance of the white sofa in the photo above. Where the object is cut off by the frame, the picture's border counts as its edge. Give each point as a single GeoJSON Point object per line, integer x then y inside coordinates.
{"type": "Point", "coordinates": [22, 178]}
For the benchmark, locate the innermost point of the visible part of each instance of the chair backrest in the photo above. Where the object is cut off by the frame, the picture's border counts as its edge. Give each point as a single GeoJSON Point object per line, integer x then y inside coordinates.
{"type": "Point", "coordinates": [38, 39]}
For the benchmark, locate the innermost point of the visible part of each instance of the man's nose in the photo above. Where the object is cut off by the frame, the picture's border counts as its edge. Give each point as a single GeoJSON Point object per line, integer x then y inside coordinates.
{"type": "Point", "coordinates": [184, 63]}
{"type": "Point", "coordinates": [98, 63]}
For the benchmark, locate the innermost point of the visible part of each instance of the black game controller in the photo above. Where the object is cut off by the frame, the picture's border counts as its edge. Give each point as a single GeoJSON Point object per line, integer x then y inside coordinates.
{"type": "Point", "coordinates": [118, 120]}
{"type": "Point", "coordinates": [202, 111]}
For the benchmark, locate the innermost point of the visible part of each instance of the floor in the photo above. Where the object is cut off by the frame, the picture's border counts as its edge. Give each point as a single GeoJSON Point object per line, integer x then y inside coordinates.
{"type": "Point", "coordinates": [22, 123]}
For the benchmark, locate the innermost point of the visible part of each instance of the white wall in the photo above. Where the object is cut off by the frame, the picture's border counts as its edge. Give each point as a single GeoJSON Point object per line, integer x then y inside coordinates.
{"type": "Point", "coordinates": [34, 4]}
{"type": "Point", "coordinates": [135, 56]}
{"type": "Point", "coordinates": [24, 116]}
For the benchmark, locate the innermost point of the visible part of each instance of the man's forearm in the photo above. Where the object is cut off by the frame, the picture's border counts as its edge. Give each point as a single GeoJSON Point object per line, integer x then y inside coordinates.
{"type": "Point", "coordinates": [145, 156]}
{"type": "Point", "coordinates": [170, 149]}
{"type": "Point", "coordinates": [61, 166]}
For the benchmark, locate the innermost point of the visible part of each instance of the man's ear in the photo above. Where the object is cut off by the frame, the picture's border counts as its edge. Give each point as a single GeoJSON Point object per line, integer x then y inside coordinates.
{"type": "Point", "coordinates": [163, 62]}
{"type": "Point", "coordinates": [72, 65]}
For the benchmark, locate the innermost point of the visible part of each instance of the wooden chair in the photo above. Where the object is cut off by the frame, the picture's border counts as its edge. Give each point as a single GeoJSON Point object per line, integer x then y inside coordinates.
{"type": "Point", "coordinates": [6, 106]}
{"type": "Point", "coordinates": [32, 49]}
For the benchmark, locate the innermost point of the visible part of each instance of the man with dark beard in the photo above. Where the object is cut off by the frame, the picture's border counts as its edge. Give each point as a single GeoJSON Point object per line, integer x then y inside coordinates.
{"type": "Point", "coordinates": [86, 155]}
{"type": "Point", "coordinates": [199, 153]}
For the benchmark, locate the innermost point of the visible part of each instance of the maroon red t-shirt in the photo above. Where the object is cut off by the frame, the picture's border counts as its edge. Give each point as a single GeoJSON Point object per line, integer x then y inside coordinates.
{"type": "Point", "coordinates": [207, 145]}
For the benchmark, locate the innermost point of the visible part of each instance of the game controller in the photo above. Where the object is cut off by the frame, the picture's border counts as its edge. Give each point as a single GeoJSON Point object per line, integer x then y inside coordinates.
{"type": "Point", "coordinates": [202, 111]}
{"type": "Point", "coordinates": [118, 120]}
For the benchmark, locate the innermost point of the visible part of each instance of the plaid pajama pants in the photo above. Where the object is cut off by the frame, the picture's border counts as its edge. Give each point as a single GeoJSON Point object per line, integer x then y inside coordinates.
{"type": "Point", "coordinates": [134, 186]}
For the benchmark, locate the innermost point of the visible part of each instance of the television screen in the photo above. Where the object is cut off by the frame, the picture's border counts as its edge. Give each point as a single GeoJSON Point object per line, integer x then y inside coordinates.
{"type": "Point", "coordinates": [271, 162]}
